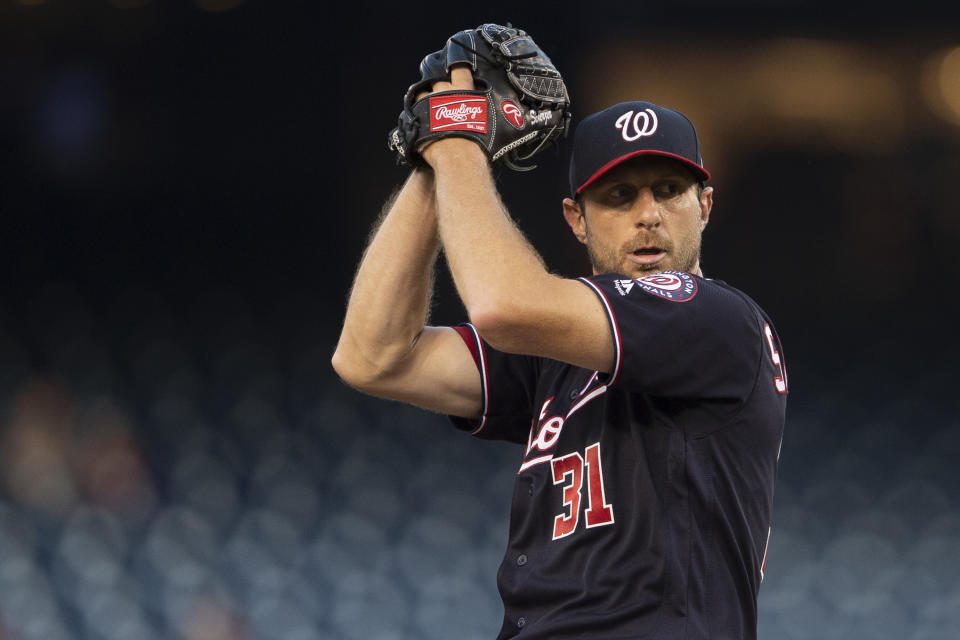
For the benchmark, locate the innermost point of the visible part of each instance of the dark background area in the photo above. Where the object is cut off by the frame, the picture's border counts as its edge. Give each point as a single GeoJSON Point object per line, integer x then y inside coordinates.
{"type": "Point", "coordinates": [185, 191]}
{"type": "Point", "coordinates": [187, 150]}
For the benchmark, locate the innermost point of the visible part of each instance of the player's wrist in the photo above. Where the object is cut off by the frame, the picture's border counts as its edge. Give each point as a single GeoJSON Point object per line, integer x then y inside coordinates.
{"type": "Point", "coordinates": [445, 152]}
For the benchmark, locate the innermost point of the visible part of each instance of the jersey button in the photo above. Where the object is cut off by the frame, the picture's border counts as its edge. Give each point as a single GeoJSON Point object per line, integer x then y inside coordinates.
{"type": "Point", "coordinates": [522, 559]}
{"type": "Point", "coordinates": [574, 393]}
{"type": "Point", "coordinates": [521, 621]}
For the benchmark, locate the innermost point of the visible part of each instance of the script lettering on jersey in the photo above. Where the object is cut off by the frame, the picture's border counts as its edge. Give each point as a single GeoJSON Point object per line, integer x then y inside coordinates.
{"type": "Point", "coordinates": [545, 430]}
{"type": "Point", "coordinates": [547, 433]}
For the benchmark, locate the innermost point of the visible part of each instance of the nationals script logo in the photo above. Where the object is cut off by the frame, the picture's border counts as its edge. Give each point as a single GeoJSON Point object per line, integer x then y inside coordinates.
{"type": "Point", "coordinates": [630, 127]}
{"type": "Point", "coordinates": [458, 113]}
{"type": "Point", "coordinates": [675, 286]}
{"type": "Point", "coordinates": [513, 114]}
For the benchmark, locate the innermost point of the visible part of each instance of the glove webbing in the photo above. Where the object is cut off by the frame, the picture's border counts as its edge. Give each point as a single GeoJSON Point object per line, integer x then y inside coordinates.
{"type": "Point", "coordinates": [519, 56]}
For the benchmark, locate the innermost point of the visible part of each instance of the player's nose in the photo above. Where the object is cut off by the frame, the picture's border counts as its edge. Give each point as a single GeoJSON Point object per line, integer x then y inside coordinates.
{"type": "Point", "coordinates": [646, 210]}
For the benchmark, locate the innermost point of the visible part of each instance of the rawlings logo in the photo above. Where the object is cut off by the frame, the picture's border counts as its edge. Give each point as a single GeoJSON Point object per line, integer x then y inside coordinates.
{"type": "Point", "coordinates": [458, 113]}
{"type": "Point", "coordinates": [633, 121]}
{"type": "Point", "coordinates": [512, 113]}
{"type": "Point", "coordinates": [461, 113]}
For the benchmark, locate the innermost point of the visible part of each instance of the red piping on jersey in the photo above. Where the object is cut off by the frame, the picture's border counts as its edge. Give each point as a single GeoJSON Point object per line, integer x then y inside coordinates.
{"type": "Point", "coordinates": [648, 152]}
{"type": "Point", "coordinates": [617, 346]}
{"type": "Point", "coordinates": [589, 382]}
{"type": "Point", "coordinates": [468, 339]}
{"type": "Point", "coordinates": [590, 396]}
{"type": "Point", "coordinates": [469, 335]}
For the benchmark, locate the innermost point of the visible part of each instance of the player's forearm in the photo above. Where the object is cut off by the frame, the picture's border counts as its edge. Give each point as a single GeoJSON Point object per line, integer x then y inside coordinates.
{"type": "Point", "coordinates": [389, 302]}
{"type": "Point", "coordinates": [495, 269]}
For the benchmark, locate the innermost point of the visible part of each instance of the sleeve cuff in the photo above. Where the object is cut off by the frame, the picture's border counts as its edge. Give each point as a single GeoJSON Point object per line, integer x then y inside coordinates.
{"type": "Point", "coordinates": [472, 339]}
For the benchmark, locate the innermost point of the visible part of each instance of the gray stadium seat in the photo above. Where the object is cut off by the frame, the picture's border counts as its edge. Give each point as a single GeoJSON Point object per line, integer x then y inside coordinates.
{"type": "Point", "coordinates": [90, 555]}
{"type": "Point", "coordinates": [859, 573]}
{"type": "Point", "coordinates": [431, 545]}
{"type": "Point", "coordinates": [918, 501]}
{"type": "Point", "coordinates": [261, 551]}
{"type": "Point", "coordinates": [348, 541]}
{"type": "Point", "coordinates": [201, 481]}
{"type": "Point", "coordinates": [279, 483]}
{"type": "Point", "coordinates": [360, 592]}
{"type": "Point", "coordinates": [449, 606]}
{"type": "Point", "coordinates": [114, 615]}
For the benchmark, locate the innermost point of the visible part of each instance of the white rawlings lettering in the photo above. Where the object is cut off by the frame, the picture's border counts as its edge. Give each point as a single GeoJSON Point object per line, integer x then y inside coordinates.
{"type": "Point", "coordinates": [459, 114]}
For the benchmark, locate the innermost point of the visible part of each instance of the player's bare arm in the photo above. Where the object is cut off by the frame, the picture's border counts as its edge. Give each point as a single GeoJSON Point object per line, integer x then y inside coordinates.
{"type": "Point", "coordinates": [511, 298]}
{"type": "Point", "coordinates": [385, 349]}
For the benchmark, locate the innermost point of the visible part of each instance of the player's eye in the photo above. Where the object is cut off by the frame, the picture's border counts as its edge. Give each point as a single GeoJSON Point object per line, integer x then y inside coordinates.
{"type": "Point", "coordinates": [621, 192]}
{"type": "Point", "coordinates": [667, 189]}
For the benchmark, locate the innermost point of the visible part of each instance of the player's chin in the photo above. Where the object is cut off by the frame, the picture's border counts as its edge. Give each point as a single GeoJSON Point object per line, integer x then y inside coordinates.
{"type": "Point", "coordinates": [640, 270]}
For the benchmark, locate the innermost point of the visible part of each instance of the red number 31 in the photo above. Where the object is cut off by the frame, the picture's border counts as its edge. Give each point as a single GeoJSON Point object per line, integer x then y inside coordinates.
{"type": "Point", "coordinates": [568, 470]}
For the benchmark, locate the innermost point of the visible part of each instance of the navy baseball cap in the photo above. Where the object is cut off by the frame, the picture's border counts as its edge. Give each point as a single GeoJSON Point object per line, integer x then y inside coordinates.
{"type": "Point", "coordinates": [629, 129]}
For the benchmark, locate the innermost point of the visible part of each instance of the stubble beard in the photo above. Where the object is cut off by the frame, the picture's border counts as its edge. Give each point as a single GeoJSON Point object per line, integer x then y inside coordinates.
{"type": "Point", "coordinates": [603, 259]}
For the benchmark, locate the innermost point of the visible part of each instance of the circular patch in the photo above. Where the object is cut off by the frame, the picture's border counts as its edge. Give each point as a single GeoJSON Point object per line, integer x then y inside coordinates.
{"type": "Point", "coordinates": [512, 114]}
{"type": "Point", "coordinates": [675, 286]}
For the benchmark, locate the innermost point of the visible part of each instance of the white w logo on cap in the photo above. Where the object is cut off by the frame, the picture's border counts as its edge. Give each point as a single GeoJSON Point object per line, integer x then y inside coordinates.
{"type": "Point", "coordinates": [633, 121]}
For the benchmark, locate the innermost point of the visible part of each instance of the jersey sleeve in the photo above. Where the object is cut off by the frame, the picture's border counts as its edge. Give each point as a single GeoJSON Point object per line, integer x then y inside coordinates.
{"type": "Point", "coordinates": [681, 336]}
{"type": "Point", "coordinates": [509, 384]}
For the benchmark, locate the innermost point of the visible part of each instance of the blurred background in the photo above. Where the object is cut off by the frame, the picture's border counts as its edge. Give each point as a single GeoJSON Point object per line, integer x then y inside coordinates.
{"type": "Point", "coordinates": [186, 188]}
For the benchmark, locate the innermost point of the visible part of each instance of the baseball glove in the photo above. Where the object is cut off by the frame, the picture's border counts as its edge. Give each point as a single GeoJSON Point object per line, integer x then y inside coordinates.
{"type": "Point", "coordinates": [518, 108]}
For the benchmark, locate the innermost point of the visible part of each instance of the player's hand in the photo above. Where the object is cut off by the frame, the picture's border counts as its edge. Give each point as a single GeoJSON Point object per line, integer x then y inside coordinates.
{"type": "Point", "coordinates": [461, 78]}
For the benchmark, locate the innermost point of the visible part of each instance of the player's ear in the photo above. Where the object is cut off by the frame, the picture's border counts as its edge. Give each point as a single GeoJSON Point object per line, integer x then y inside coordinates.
{"type": "Point", "coordinates": [575, 218]}
{"type": "Point", "coordinates": [706, 204]}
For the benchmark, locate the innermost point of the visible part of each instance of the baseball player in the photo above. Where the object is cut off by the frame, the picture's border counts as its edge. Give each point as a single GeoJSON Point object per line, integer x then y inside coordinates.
{"type": "Point", "coordinates": [648, 400]}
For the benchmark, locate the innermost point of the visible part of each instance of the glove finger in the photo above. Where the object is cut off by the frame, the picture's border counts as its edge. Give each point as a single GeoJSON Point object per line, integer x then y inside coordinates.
{"type": "Point", "coordinates": [432, 68]}
{"type": "Point", "coordinates": [461, 48]}
{"type": "Point", "coordinates": [461, 79]}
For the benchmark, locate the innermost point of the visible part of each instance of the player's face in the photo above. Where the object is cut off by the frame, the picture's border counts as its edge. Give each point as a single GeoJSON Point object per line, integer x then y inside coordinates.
{"type": "Point", "coordinates": [644, 216]}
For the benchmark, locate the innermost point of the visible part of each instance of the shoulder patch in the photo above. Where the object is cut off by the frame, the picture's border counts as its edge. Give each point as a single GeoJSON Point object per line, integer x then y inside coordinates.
{"type": "Point", "coordinates": [675, 286]}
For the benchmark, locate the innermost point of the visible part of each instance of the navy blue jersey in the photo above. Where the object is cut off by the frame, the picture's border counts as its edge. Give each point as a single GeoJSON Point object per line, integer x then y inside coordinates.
{"type": "Point", "coordinates": [642, 504]}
